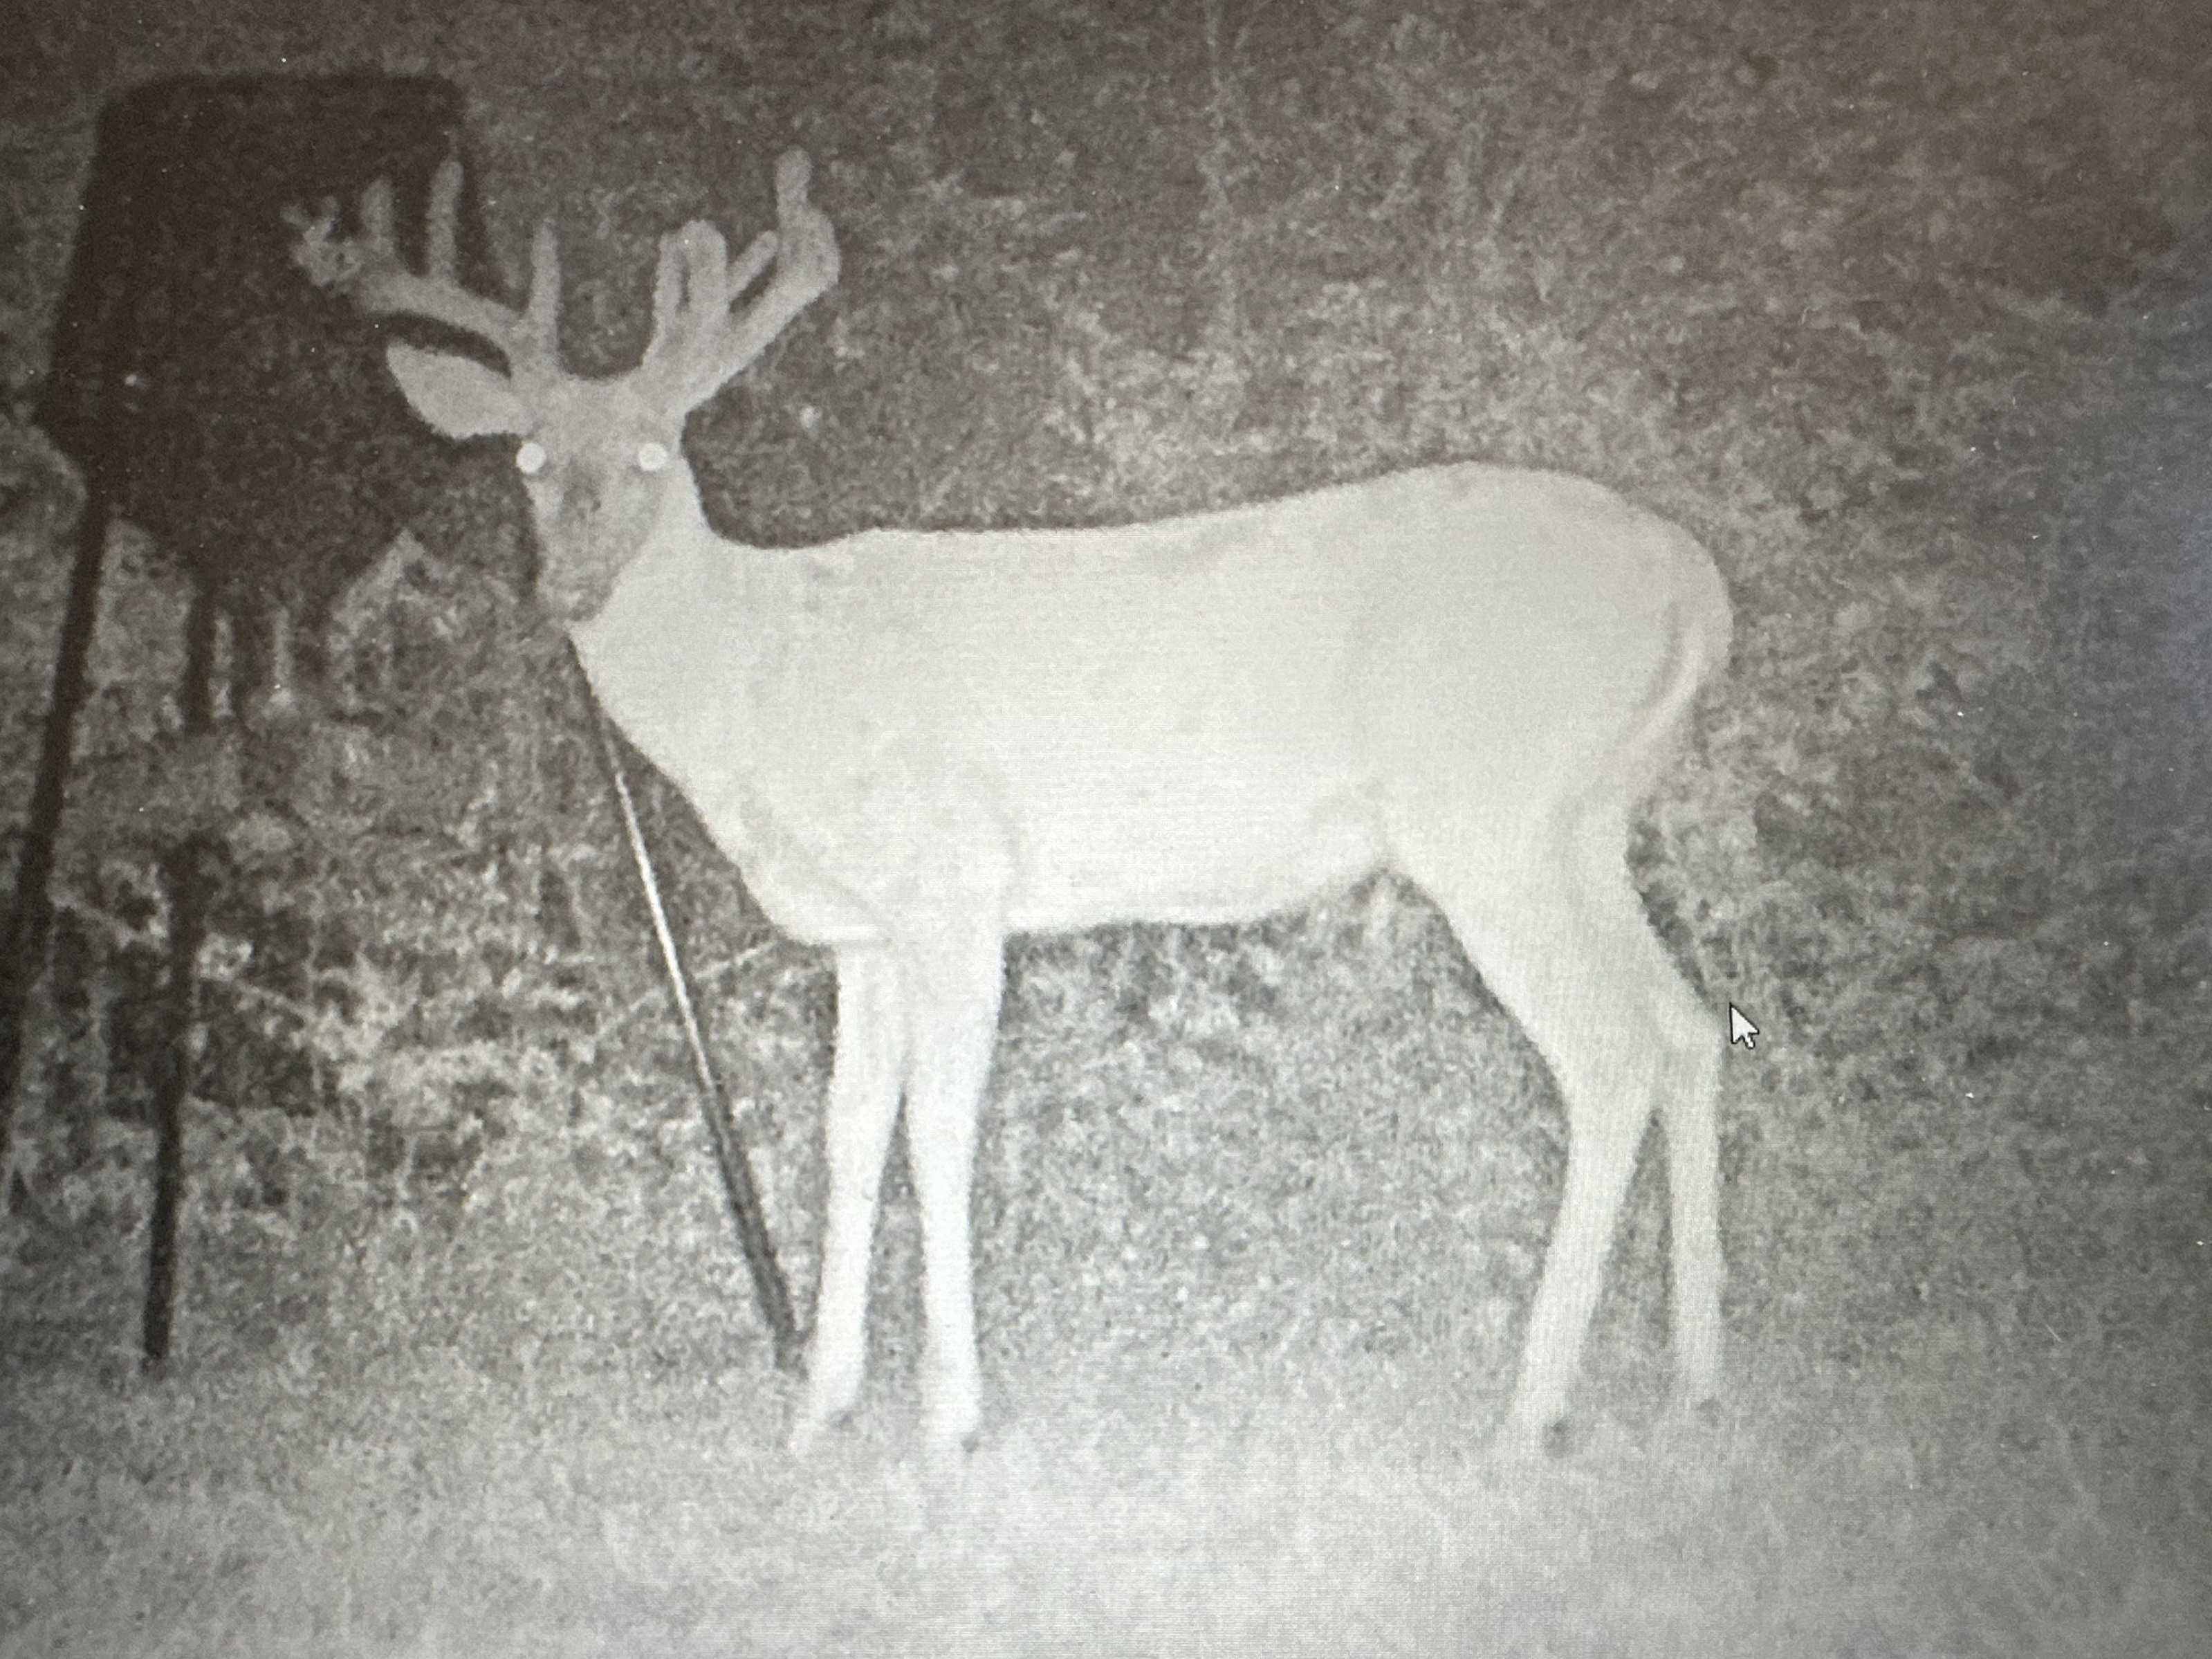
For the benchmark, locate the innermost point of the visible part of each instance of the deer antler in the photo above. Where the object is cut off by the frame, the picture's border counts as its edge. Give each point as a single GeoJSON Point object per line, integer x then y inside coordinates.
{"type": "Point", "coordinates": [367, 268]}
{"type": "Point", "coordinates": [699, 342]}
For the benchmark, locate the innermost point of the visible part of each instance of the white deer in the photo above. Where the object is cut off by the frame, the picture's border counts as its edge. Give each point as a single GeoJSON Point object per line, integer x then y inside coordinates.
{"type": "Point", "coordinates": [914, 745]}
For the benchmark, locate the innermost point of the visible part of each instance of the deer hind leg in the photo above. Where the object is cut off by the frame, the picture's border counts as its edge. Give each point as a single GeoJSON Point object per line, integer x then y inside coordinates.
{"type": "Point", "coordinates": [864, 1099]}
{"type": "Point", "coordinates": [1560, 935]}
{"type": "Point", "coordinates": [955, 992]}
{"type": "Point", "coordinates": [1689, 1116]}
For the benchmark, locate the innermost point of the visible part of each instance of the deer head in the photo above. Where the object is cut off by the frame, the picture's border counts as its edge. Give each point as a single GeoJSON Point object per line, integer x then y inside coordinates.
{"type": "Point", "coordinates": [602, 459]}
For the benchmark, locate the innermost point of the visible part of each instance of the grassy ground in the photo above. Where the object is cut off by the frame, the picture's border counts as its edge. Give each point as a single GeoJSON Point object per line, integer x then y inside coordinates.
{"type": "Point", "coordinates": [432, 1513]}
{"type": "Point", "coordinates": [1901, 312]}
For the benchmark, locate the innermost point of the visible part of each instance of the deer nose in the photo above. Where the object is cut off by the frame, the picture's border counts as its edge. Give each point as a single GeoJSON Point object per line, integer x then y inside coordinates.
{"type": "Point", "coordinates": [572, 592]}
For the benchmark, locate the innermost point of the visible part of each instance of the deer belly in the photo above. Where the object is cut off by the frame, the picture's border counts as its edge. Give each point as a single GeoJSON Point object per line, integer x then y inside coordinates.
{"type": "Point", "coordinates": [1038, 840]}
{"type": "Point", "coordinates": [1212, 855]}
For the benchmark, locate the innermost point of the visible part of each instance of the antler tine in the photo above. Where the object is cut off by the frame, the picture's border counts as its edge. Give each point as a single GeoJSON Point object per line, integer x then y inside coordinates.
{"type": "Point", "coordinates": [542, 321]}
{"type": "Point", "coordinates": [803, 249]}
{"type": "Point", "coordinates": [376, 218]}
{"type": "Point", "coordinates": [368, 269]}
{"type": "Point", "coordinates": [440, 260]}
{"type": "Point", "coordinates": [759, 255]}
{"type": "Point", "coordinates": [690, 295]}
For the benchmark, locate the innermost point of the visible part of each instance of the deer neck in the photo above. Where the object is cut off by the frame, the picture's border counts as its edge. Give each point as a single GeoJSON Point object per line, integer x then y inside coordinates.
{"type": "Point", "coordinates": [673, 640]}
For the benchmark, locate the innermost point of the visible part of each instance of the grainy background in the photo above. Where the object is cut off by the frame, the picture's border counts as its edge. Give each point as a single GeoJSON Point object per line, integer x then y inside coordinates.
{"type": "Point", "coordinates": [1903, 311]}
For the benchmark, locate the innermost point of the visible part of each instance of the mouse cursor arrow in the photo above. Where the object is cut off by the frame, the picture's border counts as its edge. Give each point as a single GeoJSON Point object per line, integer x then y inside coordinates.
{"type": "Point", "coordinates": [1740, 1030]}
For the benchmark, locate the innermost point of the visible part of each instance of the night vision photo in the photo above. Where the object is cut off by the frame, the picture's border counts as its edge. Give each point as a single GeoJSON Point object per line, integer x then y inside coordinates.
{"type": "Point", "coordinates": [1006, 829]}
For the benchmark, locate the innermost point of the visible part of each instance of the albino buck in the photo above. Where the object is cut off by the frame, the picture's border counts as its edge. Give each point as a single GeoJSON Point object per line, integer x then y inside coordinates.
{"type": "Point", "coordinates": [916, 743]}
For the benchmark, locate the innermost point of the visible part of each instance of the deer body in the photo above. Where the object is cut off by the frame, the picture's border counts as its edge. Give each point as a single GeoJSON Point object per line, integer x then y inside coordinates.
{"type": "Point", "coordinates": [1199, 720]}
{"type": "Point", "coordinates": [915, 744]}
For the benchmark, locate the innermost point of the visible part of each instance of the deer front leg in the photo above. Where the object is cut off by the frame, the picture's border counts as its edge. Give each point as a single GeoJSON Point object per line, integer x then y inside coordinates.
{"type": "Point", "coordinates": [864, 1100]}
{"type": "Point", "coordinates": [955, 989]}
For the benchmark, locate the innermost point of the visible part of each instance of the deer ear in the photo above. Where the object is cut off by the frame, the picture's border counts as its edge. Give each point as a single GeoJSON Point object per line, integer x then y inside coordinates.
{"type": "Point", "coordinates": [458, 395]}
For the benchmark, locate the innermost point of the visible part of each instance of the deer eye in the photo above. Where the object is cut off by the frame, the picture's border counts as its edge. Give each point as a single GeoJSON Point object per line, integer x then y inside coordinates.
{"type": "Point", "coordinates": [651, 458]}
{"type": "Point", "coordinates": [529, 459]}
